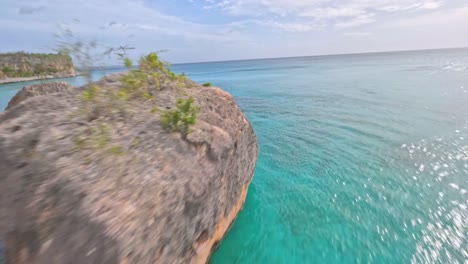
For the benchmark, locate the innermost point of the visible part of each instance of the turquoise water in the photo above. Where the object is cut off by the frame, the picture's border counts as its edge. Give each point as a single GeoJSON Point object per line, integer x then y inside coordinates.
{"type": "Point", "coordinates": [7, 91]}
{"type": "Point", "coordinates": [363, 158]}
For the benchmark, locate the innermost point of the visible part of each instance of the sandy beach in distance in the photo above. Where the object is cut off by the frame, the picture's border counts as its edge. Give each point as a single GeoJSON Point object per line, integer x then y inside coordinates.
{"type": "Point", "coordinates": [33, 78]}
{"type": "Point", "coordinates": [26, 79]}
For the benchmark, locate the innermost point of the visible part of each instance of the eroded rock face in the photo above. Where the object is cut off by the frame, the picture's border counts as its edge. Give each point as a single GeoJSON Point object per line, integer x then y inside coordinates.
{"type": "Point", "coordinates": [39, 90]}
{"type": "Point", "coordinates": [37, 63]}
{"type": "Point", "coordinates": [131, 192]}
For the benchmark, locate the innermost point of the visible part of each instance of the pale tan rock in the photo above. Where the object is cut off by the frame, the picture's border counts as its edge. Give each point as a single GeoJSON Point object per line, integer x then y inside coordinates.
{"type": "Point", "coordinates": [163, 199]}
{"type": "Point", "coordinates": [39, 90]}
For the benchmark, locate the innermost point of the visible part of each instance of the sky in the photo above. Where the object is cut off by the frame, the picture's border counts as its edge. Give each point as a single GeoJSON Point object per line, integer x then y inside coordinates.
{"type": "Point", "coordinates": [211, 30]}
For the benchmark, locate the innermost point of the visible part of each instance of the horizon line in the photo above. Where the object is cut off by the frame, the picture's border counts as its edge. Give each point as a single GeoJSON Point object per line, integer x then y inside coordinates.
{"type": "Point", "coordinates": [320, 55]}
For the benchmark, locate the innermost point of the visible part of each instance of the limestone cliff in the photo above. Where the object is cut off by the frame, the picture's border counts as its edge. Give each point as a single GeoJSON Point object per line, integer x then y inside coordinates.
{"type": "Point", "coordinates": [102, 181]}
{"type": "Point", "coordinates": [22, 64]}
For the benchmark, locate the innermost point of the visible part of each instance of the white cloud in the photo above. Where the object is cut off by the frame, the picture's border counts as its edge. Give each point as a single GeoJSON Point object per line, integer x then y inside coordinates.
{"type": "Point", "coordinates": [332, 12]}
{"type": "Point", "coordinates": [307, 13]}
{"type": "Point", "coordinates": [453, 18]}
{"type": "Point", "coordinates": [430, 5]}
{"type": "Point", "coordinates": [357, 34]}
{"type": "Point", "coordinates": [293, 27]}
{"type": "Point", "coordinates": [283, 7]}
{"type": "Point", "coordinates": [356, 21]}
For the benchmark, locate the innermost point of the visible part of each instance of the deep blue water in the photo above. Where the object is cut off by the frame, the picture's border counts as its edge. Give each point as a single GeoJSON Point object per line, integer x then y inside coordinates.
{"type": "Point", "coordinates": [363, 158]}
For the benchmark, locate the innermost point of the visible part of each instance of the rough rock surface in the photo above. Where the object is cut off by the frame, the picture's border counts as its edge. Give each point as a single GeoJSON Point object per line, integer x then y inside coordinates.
{"type": "Point", "coordinates": [36, 64]}
{"type": "Point", "coordinates": [38, 90]}
{"type": "Point", "coordinates": [104, 182]}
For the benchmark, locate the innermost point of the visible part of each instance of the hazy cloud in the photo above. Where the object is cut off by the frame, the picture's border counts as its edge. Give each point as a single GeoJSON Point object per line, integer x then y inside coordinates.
{"type": "Point", "coordinates": [357, 21]}
{"type": "Point", "coordinates": [331, 13]}
{"type": "Point", "coordinates": [28, 10]}
{"type": "Point", "coordinates": [357, 34]}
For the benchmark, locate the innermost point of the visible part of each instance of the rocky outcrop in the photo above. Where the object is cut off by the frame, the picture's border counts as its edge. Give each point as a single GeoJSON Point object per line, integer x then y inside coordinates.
{"type": "Point", "coordinates": [38, 90]}
{"type": "Point", "coordinates": [102, 181]}
{"type": "Point", "coordinates": [21, 64]}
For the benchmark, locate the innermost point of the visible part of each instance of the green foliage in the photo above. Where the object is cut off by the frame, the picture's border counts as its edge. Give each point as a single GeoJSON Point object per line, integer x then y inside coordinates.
{"type": "Point", "coordinates": [8, 71]}
{"type": "Point", "coordinates": [155, 78]}
{"type": "Point", "coordinates": [128, 63]}
{"type": "Point", "coordinates": [100, 136]}
{"type": "Point", "coordinates": [136, 142]}
{"type": "Point", "coordinates": [33, 64]}
{"type": "Point", "coordinates": [123, 95]}
{"type": "Point", "coordinates": [47, 56]}
{"type": "Point", "coordinates": [151, 71]}
{"type": "Point", "coordinates": [181, 76]}
{"type": "Point", "coordinates": [80, 141]}
{"type": "Point", "coordinates": [207, 84]}
{"type": "Point", "coordinates": [155, 110]}
{"type": "Point", "coordinates": [181, 118]}
{"type": "Point", "coordinates": [96, 137]}
{"type": "Point", "coordinates": [151, 62]}
{"type": "Point", "coordinates": [134, 80]}
{"type": "Point", "coordinates": [116, 150]}
{"type": "Point", "coordinates": [25, 74]}
{"type": "Point", "coordinates": [121, 52]}
{"type": "Point", "coordinates": [147, 95]}
{"type": "Point", "coordinates": [51, 70]}
{"type": "Point", "coordinates": [39, 69]}
{"type": "Point", "coordinates": [90, 93]}
{"type": "Point", "coordinates": [134, 84]}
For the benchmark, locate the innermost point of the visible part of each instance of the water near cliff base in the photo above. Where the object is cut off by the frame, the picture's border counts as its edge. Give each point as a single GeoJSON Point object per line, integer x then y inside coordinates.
{"type": "Point", "coordinates": [363, 158]}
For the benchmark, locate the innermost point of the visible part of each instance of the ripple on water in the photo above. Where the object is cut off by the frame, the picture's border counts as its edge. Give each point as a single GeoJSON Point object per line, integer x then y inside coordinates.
{"type": "Point", "coordinates": [443, 239]}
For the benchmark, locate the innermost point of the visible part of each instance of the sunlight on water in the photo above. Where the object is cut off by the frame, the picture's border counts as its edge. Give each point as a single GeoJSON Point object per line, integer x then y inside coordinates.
{"type": "Point", "coordinates": [363, 158]}
{"type": "Point", "coordinates": [444, 159]}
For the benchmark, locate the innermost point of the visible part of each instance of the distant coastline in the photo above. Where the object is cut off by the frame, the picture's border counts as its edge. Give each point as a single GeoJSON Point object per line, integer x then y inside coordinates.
{"type": "Point", "coordinates": [23, 66]}
{"type": "Point", "coordinates": [34, 78]}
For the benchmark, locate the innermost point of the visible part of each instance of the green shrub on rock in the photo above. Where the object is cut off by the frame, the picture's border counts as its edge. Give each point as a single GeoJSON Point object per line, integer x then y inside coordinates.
{"type": "Point", "coordinates": [133, 84]}
{"type": "Point", "coordinates": [90, 93]}
{"type": "Point", "coordinates": [181, 118]}
{"type": "Point", "coordinates": [8, 71]}
{"type": "Point", "coordinates": [116, 150]}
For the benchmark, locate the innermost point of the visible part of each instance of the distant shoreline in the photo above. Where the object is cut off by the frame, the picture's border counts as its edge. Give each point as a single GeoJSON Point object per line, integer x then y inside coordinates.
{"type": "Point", "coordinates": [33, 78]}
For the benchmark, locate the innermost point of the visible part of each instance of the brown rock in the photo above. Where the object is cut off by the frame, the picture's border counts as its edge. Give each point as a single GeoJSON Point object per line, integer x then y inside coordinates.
{"type": "Point", "coordinates": [104, 182]}
{"type": "Point", "coordinates": [39, 90]}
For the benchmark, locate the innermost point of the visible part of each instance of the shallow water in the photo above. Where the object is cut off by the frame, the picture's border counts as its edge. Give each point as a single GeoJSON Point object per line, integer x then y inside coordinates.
{"type": "Point", "coordinates": [363, 158]}
{"type": "Point", "coordinates": [7, 91]}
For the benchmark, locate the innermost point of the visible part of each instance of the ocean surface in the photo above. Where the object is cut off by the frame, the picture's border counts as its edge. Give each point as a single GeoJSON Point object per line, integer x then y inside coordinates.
{"type": "Point", "coordinates": [363, 158]}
